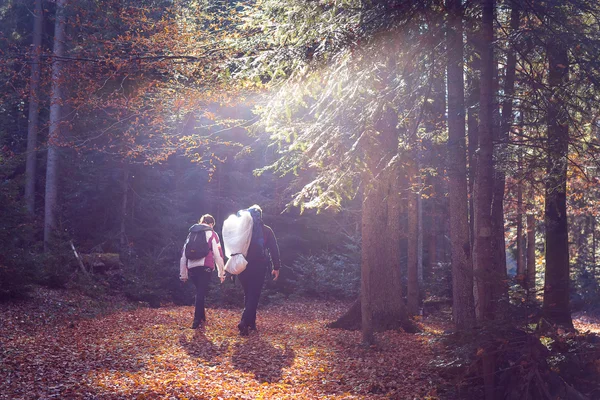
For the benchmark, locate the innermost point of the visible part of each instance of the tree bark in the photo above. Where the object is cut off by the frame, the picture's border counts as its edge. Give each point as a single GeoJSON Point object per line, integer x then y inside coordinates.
{"type": "Point", "coordinates": [81, 266]}
{"type": "Point", "coordinates": [125, 192]}
{"type": "Point", "coordinates": [581, 234]}
{"type": "Point", "coordinates": [520, 250]}
{"type": "Point", "coordinates": [556, 286]}
{"type": "Point", "coordinates": [382, 306]}
{"type": "Point", "coordinates": [593, 217]}
{"type": "Point", "coordinates": [54, 131]}
{"type": "Point", "coordinates": [483, 257]}
{"type": "Point", "coordinates": [473, 117]}
{"type": "Point", "coordinates": [462, 270]}
{"type": "Point", "coordinates": [434, 123]}
{"type": "Point", "coordinates": [351, 320]}
{"type": "Point", "coordinates": [381, 303]}
{"type": "Point", "coordinates": [419, 228]}
{"type": "Point", "coordinates": [531, 254]}
{"type": "Point", "coordinates": [432, 247]}
{"type": "Point", "coordinates": [412, 295]}
{"type": "Point", "coordinates": [506, 124]}
{"type": "Point", "coordinates": [34, 98]}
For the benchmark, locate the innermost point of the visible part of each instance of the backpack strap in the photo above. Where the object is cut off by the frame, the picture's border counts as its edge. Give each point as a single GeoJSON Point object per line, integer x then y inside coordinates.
{"type": "Point", "coordinates": [212, 237]}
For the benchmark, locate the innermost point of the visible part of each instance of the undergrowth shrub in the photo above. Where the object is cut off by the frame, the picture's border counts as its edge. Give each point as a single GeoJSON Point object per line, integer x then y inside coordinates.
{"type": "Point", "coordinates": [585, 291]}
{"type": "Point", "coordinates": [16, 271]}
{"type": "Point", "coordinates": [327, 274]}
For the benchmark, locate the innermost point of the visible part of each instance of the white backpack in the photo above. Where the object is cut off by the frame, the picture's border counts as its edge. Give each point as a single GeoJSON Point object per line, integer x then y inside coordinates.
{"type": "Point", "coordinates": [237, 233]}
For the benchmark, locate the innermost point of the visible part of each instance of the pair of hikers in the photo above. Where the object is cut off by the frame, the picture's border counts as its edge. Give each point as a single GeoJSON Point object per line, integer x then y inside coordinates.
{"type": "Point", "coordinates": [199, 270]}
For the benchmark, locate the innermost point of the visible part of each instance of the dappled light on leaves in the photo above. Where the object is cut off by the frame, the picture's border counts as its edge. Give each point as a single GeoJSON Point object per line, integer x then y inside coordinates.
{"type": "Point", "coordinates": [153, 354]}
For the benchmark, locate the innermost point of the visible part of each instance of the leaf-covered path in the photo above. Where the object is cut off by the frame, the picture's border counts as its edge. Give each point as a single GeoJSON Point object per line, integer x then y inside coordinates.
{"type": "Point", "coordinates": [152, 353]}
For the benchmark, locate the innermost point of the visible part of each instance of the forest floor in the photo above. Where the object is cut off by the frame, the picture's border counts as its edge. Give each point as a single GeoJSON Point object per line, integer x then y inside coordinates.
{"type": "Point", "coordinates": [65, 345]}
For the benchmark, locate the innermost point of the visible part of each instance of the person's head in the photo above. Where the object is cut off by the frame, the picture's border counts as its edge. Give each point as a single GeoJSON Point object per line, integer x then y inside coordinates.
{"type": "Point", "coordinates": [207, 219]}
{"type": "Point", "coordinates": [257, 207]}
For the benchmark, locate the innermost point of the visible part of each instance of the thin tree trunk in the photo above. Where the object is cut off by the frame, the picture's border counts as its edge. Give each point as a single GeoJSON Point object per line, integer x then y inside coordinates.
{"type": "Point", "coordinates": [219, 176]}
{"type": "Point", "coordinates": [520, 250]}
{"type": "Point", "coordinates": [412, 295]}
{"type": "Point", "coordinates": [556, 287]}
{"type": "Point", "coordinates": [34, 98]}
{"type": "Point", "coordinates": [500, 281]}
{"type": "Point", "coordinates": [54, 132]}
{"type": "Point", "coordinates": [593, 247]}
{"type": "Point", "coordinates": [531, 254]}
{"type": "Point", "coordinates": [462, 268]}
{"type": "Point", "coordinates": [125, 191]}
{"type": "Point", "coordinates": [432, 252]}
{"type": "Point", "coordinates": [78, 258]}
{"type": "Point", "coordinates": [506, 122]}
{"type": "Point", "coordinates": [419, 228]}
{"type": "Point", "coordinates": [483, 257]}
{"type": "Point", "coordinates": [434, 122]}
{"type": "Point", "coordinates": [473, 119]}
{"type": "Point", "coordinates": [581, 234]}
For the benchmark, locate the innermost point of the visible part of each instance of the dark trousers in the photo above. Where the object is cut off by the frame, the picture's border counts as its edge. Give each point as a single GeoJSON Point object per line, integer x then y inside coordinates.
{"type": "Point", "coordinates": [200, 277]}
{"type": "Point", "coordinates": [252, 279]}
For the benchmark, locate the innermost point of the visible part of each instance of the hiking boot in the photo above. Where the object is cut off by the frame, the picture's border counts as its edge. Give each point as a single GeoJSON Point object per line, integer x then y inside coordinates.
{"type": "Point", "coordinates": [243, 329]}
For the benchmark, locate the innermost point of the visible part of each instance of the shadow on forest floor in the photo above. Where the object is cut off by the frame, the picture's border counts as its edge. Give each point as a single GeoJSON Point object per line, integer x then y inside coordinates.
{"type": "Point", "coordinates": [201, 347]}
{"type": "Point", "coordinates": [152, 353]}
{"type": "Point", "coordinates": [261, 358]}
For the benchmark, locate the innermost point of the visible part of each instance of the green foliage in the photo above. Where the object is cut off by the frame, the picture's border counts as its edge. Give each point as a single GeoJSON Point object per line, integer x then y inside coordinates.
{"type": "Point", "coordinates": [437, 285]}
{"type": "Point", "coordinates": [329, 274]}
{"type": "Point", "coordinates": [57, 266]}
{"type": "Point", "coordinates": [229, 294]}
{"type": "Point", "coordinates": [297, 33]}
{"type": "Point", "coordinates": [326, 119]}
{"type": "Point", "coordinates": [17, 268]}
{"type": "Point", "coordinates": [585, 291]}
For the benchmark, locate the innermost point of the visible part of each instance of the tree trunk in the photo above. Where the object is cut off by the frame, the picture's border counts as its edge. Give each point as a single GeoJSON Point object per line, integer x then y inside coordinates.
{"type": "Point", "coordinates": [520, 250]}
{"type": "Point", "coordinates": [382, 306]}
{"type": "Point", "coordinates": [351, 320]}
{"type": "Point", "coordinates": [462, 270]}
{"type": "Point", "coordinates": [506, 124]}
{"type": "Point", "coordinates": [412, 295]}
{"type": "Point", "coordinates": [54, 132]}
{"type": "Point", "coordinates": [593, 217]}
{"type": "Point", "coordinates": [530, 255]}
{"type": "Point", "coordinates": [125, 191]}
{"type": "Point", "coordinates": [434, 123]}
{"type": "Point", "coordinates": [419, 228]}
{"type": "Point", "coordinates": [556, 286]}
{"type": "Point", "coordinates": [483, 257]}
{"type": "Point", "coordinates": [34, 98]}
{"type": "Point", "coordinates": [472, 117]}
{"type": "Point", "coordinates": [432, 245]}
{"type": "Point", "coordinates": [581, 234]}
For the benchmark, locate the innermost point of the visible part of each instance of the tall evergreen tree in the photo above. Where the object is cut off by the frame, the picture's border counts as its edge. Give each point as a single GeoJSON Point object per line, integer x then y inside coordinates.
{"type": "Point", "coordinates": [556, 287]}
{"type": "Point", "coordinates": [483, 257]}
{"type": "Point", "coordinates": [54, 135]}
{"type": "Point", "coordinates": [462, 267]}
{"type": "Point", "coordinates": [34, 98]}
{"type": "Point", "coordinates": [462, 270]}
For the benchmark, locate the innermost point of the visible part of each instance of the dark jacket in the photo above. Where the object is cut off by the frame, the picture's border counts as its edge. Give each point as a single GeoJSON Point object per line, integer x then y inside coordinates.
{"type": "Point", "coordinates": [271, 247]}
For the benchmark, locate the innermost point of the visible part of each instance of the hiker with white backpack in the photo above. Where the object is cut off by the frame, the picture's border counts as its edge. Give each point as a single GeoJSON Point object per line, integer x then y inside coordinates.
{"type": "Point", "coordinates": [251, 247]}
{"type": "Point", "coordinates": [201, 252]}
